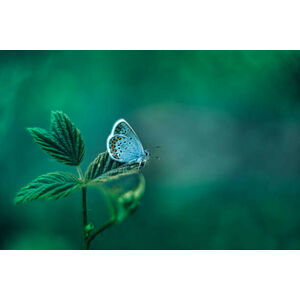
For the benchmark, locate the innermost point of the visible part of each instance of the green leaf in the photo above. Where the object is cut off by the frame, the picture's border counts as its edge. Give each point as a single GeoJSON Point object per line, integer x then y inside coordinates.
{"type": "Point", "coordinates": [49, 186]}
{"type": "Point", "coordinates": [89, 227]}
{"type": "Point", "coordinates": [104, 169]}
{"type": "Point", "coordinates": [121, 183]}
{"type": "Point", "coordinates": [124, 198]}
{"type": "Point", "coordinates": [63, 141]}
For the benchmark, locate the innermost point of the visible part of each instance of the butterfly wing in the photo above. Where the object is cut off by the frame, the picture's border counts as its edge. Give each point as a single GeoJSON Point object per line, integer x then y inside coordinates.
{"type": "Point", "coordinates": [123, 144]}
{"type": "Point", "coordinates": [123, 128]}
{"type": "Point", "coordinates": [123, 148]}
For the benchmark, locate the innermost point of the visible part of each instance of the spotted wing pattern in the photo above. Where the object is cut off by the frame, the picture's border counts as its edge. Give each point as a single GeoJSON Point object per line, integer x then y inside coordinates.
{"type": "Point", "coordinates": [123, 149]}
{"type": "Point", "coordinates": [123, 128]}
{"type": "Point", "coordinates": [123, 144]}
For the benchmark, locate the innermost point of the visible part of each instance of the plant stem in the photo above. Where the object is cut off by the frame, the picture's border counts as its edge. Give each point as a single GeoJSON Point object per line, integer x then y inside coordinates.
{"type": "Point", "coordinates": [84, 218]}
{"type": "Point", "coordinates": [84, 211]}
{"type": "Point", "coordinates": [79, 172]}
{"type": "Point", "coordinates": [88, 237]}
{"type": "Point", "coordinates": [99, 230]}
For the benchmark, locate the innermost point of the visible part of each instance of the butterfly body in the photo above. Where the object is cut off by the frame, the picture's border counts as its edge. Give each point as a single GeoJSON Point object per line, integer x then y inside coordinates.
{"type": "Point", "coordinates": [123, 144]}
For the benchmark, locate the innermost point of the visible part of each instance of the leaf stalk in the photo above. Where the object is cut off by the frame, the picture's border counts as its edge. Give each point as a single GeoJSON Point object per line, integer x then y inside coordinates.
{"type": "Point", "coordinates": [84, 211]}
{"type": "Point", "coordinates": [99, 230]}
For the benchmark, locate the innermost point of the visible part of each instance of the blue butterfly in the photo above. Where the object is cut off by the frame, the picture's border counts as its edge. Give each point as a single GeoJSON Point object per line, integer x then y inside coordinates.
{"type": "Point", "coordinates": [123, 145]}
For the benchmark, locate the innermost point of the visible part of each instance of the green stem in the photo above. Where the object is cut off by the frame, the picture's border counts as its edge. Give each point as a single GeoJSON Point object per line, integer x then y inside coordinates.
{"type": "Point", "coordinates": [84, 211]}
{"type": "Point", "coordinates": [88, 237]}
{"type": "Point", "coordinates": [79, 172]}
{"type": "Point", "coordinates": [84, 218]}
{"type": "Point", "coordinates": [99, 230]}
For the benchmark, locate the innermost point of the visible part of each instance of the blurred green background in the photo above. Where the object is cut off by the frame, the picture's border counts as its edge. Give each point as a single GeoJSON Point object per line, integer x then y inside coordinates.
{"type": "Point", "coordinates": [227, 124]}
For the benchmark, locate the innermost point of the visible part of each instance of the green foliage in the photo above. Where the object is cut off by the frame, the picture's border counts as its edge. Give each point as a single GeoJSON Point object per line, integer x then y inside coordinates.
{"type": "Point", "coordinates": [124, 198]}
{"type": "Point", "coordinates": [63, 141]}
{"type": "Point", "coordinates": [106, 173]}
{"type": "Point", "coordinates": [104, 169]}
{"type": "Point", "coordinates": [49, 186]}
{"type": "Point", "coordinates": [89, 227]}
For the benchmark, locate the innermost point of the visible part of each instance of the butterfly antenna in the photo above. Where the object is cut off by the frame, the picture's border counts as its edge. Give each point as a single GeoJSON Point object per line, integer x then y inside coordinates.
{"type": "Point", "coordinates": [154, 148]}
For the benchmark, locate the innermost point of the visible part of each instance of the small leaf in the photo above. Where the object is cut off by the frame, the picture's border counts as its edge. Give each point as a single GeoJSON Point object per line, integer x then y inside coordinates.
{"type": "Point", "coordinates": [49, 186]}
{"type": "Point", "coordinates": [104, 169]}
{"type": "Point", "coordinates": [89, 227]}
{"type": "Point", "coordinates": [125, 200]}
{"type": "Point", "coordinates": [63, 142]}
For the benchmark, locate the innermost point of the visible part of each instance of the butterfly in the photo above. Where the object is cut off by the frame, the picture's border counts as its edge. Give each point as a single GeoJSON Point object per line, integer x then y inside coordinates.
{"type": "Point", "coordinates": [123, 144]}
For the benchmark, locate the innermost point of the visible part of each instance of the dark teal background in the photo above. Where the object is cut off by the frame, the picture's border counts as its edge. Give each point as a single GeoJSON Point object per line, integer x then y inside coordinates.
{"type": "Point", "coordinates": [228, 127]}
